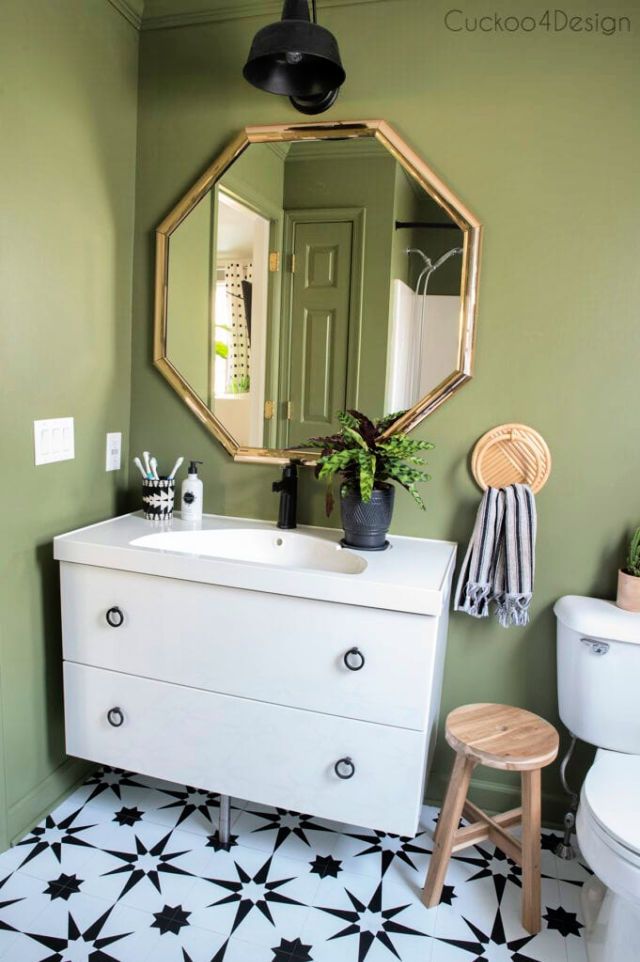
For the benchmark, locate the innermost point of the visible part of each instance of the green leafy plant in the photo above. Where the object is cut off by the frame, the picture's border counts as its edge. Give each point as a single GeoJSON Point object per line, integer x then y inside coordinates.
{"type": "Point", "coordinates": [240, 384]}
{"type": "Point", "coordinates": [366, 460]}
{"type": "Point", "coordinates": [633, 558]}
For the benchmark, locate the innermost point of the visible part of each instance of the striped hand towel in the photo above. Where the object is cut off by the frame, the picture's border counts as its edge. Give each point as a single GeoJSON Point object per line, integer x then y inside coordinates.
{"type": "Point", "coordinates": [499, 564]}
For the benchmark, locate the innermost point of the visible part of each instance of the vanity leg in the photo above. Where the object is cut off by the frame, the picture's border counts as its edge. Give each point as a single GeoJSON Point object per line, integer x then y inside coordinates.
{"type": "Point", "coordinates": [224, 825]}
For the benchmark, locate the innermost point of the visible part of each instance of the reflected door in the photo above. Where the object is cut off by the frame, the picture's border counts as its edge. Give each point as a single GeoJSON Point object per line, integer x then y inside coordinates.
{"type": "Point", "coordinates": [320, 322]}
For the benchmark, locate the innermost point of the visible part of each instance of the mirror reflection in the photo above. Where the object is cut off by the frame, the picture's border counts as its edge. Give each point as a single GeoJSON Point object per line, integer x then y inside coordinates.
{"type": "Point", "coordinates": [314, 275]}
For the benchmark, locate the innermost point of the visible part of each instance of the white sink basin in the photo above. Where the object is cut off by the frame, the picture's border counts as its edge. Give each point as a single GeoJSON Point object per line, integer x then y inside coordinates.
{"type": "Point", "coordinates": [282, 549]}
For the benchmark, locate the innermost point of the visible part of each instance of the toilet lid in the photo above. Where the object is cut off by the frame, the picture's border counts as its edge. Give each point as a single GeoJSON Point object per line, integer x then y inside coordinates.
{"type": "Point", "coordinates": [612, 792]}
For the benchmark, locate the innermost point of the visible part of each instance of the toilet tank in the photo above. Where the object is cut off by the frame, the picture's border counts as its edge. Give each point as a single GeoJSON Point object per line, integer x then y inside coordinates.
{"type": "Point", "coordinates": [599, 672]}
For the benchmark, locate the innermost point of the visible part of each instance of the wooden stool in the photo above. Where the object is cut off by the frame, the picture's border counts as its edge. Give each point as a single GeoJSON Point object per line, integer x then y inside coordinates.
{"type": "Point", "coordinates": [509, 739]}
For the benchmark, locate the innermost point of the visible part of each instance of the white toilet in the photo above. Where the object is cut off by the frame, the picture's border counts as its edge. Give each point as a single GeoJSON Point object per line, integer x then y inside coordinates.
{"type": "Point", "coordinates": [599, 700]}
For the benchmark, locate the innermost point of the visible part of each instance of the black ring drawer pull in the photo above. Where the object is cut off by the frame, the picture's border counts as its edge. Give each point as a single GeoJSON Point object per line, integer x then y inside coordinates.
{"type": "Point", "coordinates": [115, 617]}
{"type": "Point", "coordinates": [115, 717]}
{"type": "Point", "coordinates": [354, 659]}
{"type": "Point", "coordinates": [344, 768]}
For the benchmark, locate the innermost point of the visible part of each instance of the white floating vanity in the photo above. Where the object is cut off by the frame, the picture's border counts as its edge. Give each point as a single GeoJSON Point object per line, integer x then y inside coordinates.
{"type": "Point", "coordinates": [270, 665]}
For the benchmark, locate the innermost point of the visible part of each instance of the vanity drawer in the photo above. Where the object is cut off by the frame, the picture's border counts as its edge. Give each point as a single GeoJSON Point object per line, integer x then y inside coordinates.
{"type": "Point", "coordinates": [273, 648]}
{"type": "Point", "coordinates": [279, 756]}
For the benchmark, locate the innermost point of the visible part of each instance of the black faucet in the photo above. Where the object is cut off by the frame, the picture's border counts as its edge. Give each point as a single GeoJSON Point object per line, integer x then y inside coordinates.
{"type": "Point", "coordinates": [288, 489]}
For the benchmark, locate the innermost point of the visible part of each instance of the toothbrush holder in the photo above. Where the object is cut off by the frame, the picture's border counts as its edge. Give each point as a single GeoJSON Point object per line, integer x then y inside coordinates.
{"type": "Point", "coordinates": [157, 498]}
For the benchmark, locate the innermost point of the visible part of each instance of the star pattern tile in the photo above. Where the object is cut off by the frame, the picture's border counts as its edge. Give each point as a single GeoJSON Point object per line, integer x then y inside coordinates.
{"type": "Point", "coordinates": [190, 801]}
{"type": "Point", "coordinates": [259, 891]}
{"type": "Point", "coordinates": [564, 922]}
{"type": "Point", "coordinates": [128, 816]}
{"type": "Point", "coordinates": [53, 835]}
{"type": "Point", "coordinates": [480, 944]}
{"type": "Point", "coordinates": [110, 780]}
{"type": "Point", "coordinates": [282, 824]}
{"type": "Point", "coordinates": [390, 847]}
{"type": "Point", "coordinates": [171, 918]}
{"type": "Point", "coordinates": [490, 862]}
{"type": "Point", "coordinates": [147, 863]}
{"type": "Point", "coordinates": [325, 866]}
{"type": "Point", "coordinates": [89, 943]}
{"type": "Point", "coordinates": [292, 951]}
{"type": "Point", "coordinates": [63, 887]}
{"type": "Point", "coordinates": [213, 841]}
{"type": "Point", "coordinates": [305, 891]}
{"type": "Point", "coordinates": [448, 895]}
{"type": "Point", "coordinates": [369, 921]}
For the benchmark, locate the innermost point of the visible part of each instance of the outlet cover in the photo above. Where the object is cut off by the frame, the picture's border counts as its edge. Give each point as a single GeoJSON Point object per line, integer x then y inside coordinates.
{"type": "Point", "coordinates": [114, 451]}
{"type": "Point", "coordinates": [53, 440]}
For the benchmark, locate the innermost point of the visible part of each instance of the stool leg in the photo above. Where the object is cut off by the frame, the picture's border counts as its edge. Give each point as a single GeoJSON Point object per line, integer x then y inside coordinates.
{"type": "Point", "coordinates": [447, 827]}
{"type": "Point", "coordinates": [531, 908]}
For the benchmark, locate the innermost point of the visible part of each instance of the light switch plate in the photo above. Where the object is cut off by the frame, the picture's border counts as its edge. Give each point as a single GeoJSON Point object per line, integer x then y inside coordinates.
{"type": "Point", "coordinates": [54, 440]}
{"type": "Point", "coordinates": [114, 451]}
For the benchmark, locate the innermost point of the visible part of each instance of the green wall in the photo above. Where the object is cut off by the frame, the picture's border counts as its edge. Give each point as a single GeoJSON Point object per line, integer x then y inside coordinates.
{"type": "Point", "coordinates": [68, 120]}
{"type": "Point", "coordinates": [540, 135]}
{"type": "Point", "coordinates": [189, 297]}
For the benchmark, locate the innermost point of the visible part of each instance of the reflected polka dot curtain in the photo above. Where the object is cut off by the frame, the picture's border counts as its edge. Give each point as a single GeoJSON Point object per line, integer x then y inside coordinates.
{"type": "Point", "coordinates": [239, 353]}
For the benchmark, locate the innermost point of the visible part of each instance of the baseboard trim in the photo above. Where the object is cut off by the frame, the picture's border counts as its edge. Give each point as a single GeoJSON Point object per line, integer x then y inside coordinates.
{"type": "Point", "coordinates": [498, 797]}
{"type": "Point", "coordinates": [24, 814]}
{"type": "Point", "coordinates": [224, 10]}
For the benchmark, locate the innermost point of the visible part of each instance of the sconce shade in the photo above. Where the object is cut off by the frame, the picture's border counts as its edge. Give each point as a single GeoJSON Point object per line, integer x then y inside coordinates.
{"type": "Point", "coordinates": [294, 56]}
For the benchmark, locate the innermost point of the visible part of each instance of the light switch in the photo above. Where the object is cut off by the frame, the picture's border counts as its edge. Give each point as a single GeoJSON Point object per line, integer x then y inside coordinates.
{"type": "Point", "coordinates": [53, 440]}
{"type": "Point", "coordinates": [114, 450]}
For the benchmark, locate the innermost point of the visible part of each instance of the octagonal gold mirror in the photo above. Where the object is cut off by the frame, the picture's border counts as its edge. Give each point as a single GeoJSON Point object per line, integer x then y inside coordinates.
{"type": "Point", "coordinates": [310, 269]}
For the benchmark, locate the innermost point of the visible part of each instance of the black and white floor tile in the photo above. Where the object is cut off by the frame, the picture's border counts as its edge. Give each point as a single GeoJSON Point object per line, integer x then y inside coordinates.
{"type": "Point", "coordinates": [129, 869]}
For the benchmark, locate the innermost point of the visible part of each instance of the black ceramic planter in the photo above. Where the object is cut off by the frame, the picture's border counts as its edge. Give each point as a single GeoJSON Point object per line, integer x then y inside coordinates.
{"type": "Point", "coordinates": [366, 523]}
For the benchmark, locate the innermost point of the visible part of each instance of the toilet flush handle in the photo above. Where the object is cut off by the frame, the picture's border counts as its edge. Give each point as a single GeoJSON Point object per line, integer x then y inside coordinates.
{"type": "Point", "coordinates": [596, 647]}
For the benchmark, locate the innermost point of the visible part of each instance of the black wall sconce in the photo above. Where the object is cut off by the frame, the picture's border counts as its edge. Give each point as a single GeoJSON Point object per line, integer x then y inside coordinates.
{"type": "Point", "coordinates": [297, 58]}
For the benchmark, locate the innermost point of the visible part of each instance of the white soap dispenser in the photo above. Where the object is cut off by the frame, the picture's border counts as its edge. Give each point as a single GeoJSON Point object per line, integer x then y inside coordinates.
{"type": "Point", "coordinates": [192, 493]}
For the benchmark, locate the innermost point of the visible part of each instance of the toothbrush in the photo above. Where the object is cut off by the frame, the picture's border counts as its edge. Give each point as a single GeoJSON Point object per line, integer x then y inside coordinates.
{"type": "Point", "coordinates": [147, 466]}
{"type": "Point", "coordinates": [175, 468]}
{"type": "Point", "coordinates": [138, 464]}
{"type": "Point", "coordinates": [154, 468]}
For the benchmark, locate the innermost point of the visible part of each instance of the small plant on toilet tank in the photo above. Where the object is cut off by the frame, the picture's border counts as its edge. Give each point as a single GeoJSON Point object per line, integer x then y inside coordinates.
{"type": "Point", "coordinates": [629, 577]}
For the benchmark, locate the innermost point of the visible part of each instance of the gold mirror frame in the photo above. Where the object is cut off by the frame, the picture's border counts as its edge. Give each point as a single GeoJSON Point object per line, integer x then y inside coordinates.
{"type": "Point", "coordinates": [426, 178]}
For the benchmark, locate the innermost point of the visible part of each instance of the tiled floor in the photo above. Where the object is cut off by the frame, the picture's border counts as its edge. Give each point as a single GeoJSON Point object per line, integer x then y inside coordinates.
{"type": "Point", "coordinates": [128, 870]}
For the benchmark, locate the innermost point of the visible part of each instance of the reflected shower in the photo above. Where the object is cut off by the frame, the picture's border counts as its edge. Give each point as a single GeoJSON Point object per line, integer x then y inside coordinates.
{"type": "Point", "coordinates": [429, 266]}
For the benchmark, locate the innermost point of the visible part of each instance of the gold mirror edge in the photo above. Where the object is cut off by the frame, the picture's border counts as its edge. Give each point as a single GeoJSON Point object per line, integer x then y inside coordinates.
{"type": "Point", "coordinates": [470, 287]}
{"type": "Point", "coordinates": [412, 162]}
{"type": "Point", "coordinates": [160, 298]}
{"type": "Point", "coordinates": [427, 405]}
{"type": "Point", "coordinates": [268, 133]}
{"type": "Point", "coordinates": [275, 456]}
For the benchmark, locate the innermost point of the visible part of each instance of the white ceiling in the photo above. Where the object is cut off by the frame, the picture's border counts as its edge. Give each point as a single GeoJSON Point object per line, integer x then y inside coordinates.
{"type": "Point", "coordinates": [156, 14]}
{"type": "Point", "coordinates": [235, 231]}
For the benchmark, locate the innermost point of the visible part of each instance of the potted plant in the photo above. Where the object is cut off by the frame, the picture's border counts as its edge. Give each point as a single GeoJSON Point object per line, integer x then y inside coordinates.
{"type": "Point", "coordinates": [629, 577]}
{"type": "Point", "coordinates": [367, 463]}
